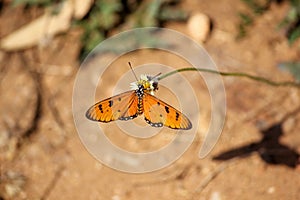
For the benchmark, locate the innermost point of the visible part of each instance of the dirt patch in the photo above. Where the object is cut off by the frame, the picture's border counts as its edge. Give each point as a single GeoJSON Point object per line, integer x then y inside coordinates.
{"type": "Point", "coordinates": [256, 156]}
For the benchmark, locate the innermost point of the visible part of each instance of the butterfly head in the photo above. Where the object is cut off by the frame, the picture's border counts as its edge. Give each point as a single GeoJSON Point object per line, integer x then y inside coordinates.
{"type": "Point", "coordinates": [149, 83]}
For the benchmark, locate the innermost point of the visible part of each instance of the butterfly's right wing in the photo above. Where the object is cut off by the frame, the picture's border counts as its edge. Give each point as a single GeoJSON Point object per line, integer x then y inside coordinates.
{"type": "Point", "coordinates": [158, 113]}
{"type": "Point", "coordinates": [120, 107]}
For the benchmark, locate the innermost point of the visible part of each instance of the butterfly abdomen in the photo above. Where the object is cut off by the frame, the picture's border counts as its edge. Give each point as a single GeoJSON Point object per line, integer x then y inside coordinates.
{"type": "Point", "coordinates": [140, 108]}
{"type": "Point", "coordinates": [140, 93]}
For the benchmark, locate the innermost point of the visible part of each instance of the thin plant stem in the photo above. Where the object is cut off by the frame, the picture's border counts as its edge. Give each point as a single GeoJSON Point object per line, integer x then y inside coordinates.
{"type": "Point", "coordinates": [238, 74]}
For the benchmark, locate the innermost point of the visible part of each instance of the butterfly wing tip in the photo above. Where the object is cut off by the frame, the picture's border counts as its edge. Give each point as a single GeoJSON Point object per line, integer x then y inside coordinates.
{"type": "Point", "coordinates": [87, 115]}
{"type": "Point", "coordinates": [188, 127]}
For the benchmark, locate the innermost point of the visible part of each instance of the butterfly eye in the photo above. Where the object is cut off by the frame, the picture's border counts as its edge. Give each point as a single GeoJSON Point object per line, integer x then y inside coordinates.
{"type": "Point", "coordinates": [155, 85]}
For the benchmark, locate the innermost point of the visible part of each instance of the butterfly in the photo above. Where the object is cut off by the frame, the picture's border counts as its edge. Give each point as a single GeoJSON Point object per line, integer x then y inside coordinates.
{"type": "Point", "coordinates": [140, 100]}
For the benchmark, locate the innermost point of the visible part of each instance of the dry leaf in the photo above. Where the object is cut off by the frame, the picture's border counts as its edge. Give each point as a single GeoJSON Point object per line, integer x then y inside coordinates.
{"type": "Point", "coordinates": [45, 27]}
{"type": "Point", "coordinates": [81, 8]}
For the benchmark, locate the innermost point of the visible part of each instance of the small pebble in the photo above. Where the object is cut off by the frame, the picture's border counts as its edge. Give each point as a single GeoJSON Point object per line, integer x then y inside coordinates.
{"type": "Point", "coordinates": [199, 27]}
{"type": "Point", "coordinates": [215, 196]}
{"type": "Point", "coordinates": [271, 190]}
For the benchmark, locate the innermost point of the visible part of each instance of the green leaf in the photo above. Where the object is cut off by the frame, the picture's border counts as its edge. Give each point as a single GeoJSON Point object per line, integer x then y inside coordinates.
{"type": "Point", "coordinates": [294, 35]}
{"type": "Point", "coordinates": [33, 2]}
{"type": "Point", "coordinates": [291, 67]}
{"type": "Point", "coordinates": [246, 19]}
{"type": "Point", "coordinates": [108, 12]}
{"type": "Point", "coordinates": [168, 14]}
{"type": "Point", "coordinates": [256, 7]}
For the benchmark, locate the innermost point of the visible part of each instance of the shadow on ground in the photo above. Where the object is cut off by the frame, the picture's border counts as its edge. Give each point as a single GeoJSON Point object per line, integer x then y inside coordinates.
{"type": "Point", "coordinates": [269, 147]}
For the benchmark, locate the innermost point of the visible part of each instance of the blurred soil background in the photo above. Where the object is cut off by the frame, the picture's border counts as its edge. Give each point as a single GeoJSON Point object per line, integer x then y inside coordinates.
{"type": "Point", "coordinates": [257, 155]}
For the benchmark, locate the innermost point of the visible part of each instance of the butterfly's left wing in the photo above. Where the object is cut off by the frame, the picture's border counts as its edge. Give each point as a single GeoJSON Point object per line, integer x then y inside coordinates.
{"type": "Point", "coordinates": [120, 107]}
{"type": "Point", "coordinates": [158, 113]}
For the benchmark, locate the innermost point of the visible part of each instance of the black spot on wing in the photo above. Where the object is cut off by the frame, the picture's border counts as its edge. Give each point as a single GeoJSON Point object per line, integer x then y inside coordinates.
{"type": "Point", "coordinates": [167, 109]}
{"type": "Point", "coordinates": [111, 102]}
{"type": "Point", "coordinates": [100, 108]}
{"type": "Point", "coordinates": [177, 116]}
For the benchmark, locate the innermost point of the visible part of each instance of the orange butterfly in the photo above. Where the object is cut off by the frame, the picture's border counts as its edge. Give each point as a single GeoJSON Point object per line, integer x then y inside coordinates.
{"type": "Point", "coordinates": [130, 104]}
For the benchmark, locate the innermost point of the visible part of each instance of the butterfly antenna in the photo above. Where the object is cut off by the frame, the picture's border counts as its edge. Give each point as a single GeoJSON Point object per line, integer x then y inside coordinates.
{"type": "Point", "coordinates": [132, 71]}
{"type": "Point", "coordinates": [157, 75]}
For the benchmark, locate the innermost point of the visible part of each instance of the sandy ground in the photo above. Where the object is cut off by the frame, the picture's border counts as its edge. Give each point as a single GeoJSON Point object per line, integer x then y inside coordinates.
{"type": "Point", "coordinates": [256, 156]}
